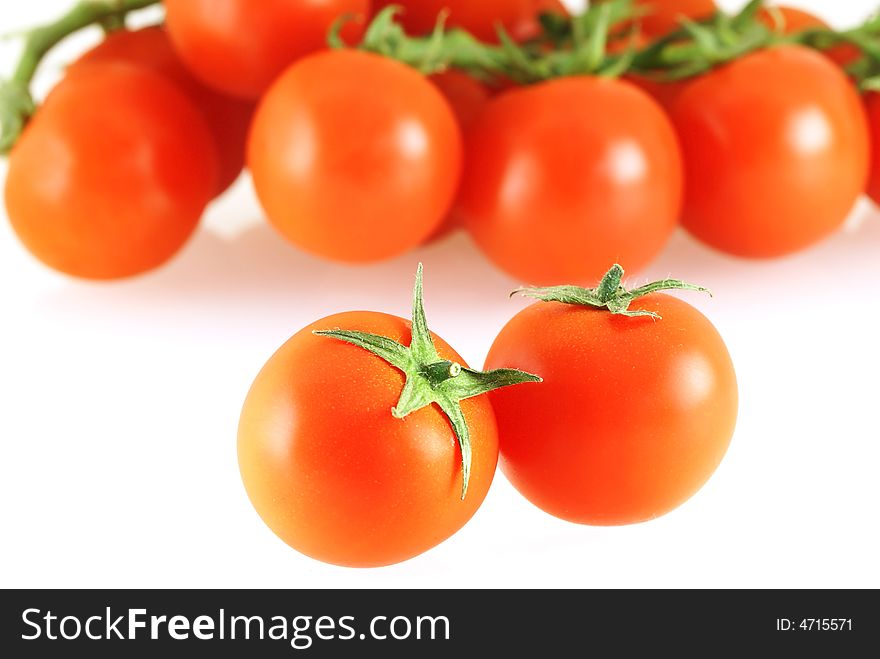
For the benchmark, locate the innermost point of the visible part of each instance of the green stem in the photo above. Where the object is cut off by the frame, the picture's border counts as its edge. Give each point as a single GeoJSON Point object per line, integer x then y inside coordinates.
{"type": "Point", "coordinates": [430, 379]}
{"type": "Point", "coordinates": [610, 295]}
{"type": "Point", "coordinates": [16, 103]}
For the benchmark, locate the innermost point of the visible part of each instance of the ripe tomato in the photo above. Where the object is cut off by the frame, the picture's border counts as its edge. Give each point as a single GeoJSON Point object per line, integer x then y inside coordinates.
{"type": "Point", "coordinates": [567, 176]}
{"type": "Point", "coordinates": [227, 117]}
{"type": "Point", "coordinates": [112, 174]}
{"type": "Point", "coordinates": [776, 152]}
{"type": "Point", "coordinates": [633, 417]}
{"type": "Point", "coordinates": [333, 474]}
{"type": "Point", "coordinates": [348, 173]}
{"type": "Point", "coordinates": [664, 16]}
{"type": "Point", "coordinates": [797, 20]}
{"type": "Point", "coordinates": [529, 26]}
{"type": "Point", "coordinates": [479, 18]}
{"type": "Point", "coordinates": [240, 47]}
{"type": "Point", "coordinates": [466, 96]}
{"type": "Point", "coordinates": [872, 104]}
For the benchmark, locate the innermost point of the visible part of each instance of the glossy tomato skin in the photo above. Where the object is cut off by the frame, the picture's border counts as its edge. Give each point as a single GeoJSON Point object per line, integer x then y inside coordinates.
{"type": "Point", "coordinates": [872, 105]}
{"type": "Point", "coordinates": [227, 117]}
{"type": "Point", "coordinates": [240, 47]}
{"type": "Point", "coordinates": [112, 174]}
{"type": "Point", "coordinates": [346, 172]}
{"type": "Point", "coordinates": [776, 152]}
{"type": "Point", "coordinates": [333, 474]}
{"type": "Point", "coordinates": [480, 18]}
{"type": "Point", "coordinates": [633, 417]}
{"type": "Point", "coordinates": [567, 176]}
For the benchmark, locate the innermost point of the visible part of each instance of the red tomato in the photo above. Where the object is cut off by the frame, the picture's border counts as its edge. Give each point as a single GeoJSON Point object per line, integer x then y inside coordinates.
{"type": "Point", "coordinates": [776, 152]}
{"type": "Point", "coordinates": [112, 174]}
{"type": "Point", "coordinates": [346, 172]}
{"type": "Point", "coordinates": [334, 474]}
{"type": "Point", "coordinates": [481, 19]}
{"type": "Point", "coordinates": [227, 117]}
{"type": "Point", "coordinates": [634, 414]}
{"type": "Point", "coordinates": [567, 176]}
{"type": "Point", "coordinates": [665, 93]}
{"type": "Point", "coordinates": [872, 104]}
{"type": "Point", "coordinates": [664, 16]}
{"type": "Point", "coordinates": [796, 20]}
{"type": "Point", "coordinates": [240, 47]}
{"type": "Point", "coordinates": [529, 25]}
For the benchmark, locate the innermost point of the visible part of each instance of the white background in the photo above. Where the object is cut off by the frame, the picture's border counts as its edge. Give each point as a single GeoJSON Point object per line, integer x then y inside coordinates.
{"type": "Point", "coordinates": [119, 405]}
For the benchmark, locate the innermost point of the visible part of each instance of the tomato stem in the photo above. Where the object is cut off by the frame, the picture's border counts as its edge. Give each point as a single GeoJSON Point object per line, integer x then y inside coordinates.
{"type": "Point", "coordinates": [610, 295]}
{"type": "Point", "coordinates": [16, 102]}
{"type": "Point", "coordinates": [430, 379]}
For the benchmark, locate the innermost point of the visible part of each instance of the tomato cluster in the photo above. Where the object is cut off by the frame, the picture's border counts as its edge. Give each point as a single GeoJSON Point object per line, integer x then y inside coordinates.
{"type": "Point", "coordinates": [357, 157]}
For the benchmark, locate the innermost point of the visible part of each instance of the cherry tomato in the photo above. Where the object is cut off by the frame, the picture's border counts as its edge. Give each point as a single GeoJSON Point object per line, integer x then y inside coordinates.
{"type": "Point", "coordinates": [776, 152]}
{"type": "Point", "coordinates": [240, 47]}
{"type": "Point", "coordinates": [872, 104]}
{"type": "Point", "coordinates": [529, 25]}
{"type": "Point", "coordinates": [481, 19]}
{"type": "Point", "coordinates": [348, 173]}
{"type": "Point", "coordinates": [791, 21]}
{"type": "Point", "coordinates": [227, 117]}
{"type": "Point", "coordinates": [331, 471]}
{"type": "Point", "coordinates": [567, 176]}
{"type": "Point", "coordinates": [633, 417]}
{"type": "Point", "coordinates": [112, 174]}
{"type": "Point", "coordinates": [664, 16]}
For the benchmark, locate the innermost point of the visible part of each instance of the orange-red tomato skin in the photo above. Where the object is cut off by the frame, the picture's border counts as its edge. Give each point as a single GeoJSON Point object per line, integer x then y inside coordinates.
{"type": "Point", "coordinates": [112, 174]}
{"type": "Point", "coordinates": [776, 152]}
{"type": "Point", "coordinates": [565, 177]}
{"type": "Point", "coordinates": [346, 172]}
{"type": "Point", "coordinates": [331, 471]}
{"type": "Point", "coordinates": [634, 414]}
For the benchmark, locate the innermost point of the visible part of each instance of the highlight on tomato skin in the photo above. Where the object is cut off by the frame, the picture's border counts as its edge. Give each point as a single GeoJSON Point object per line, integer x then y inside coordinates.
{"type": "Point", "coordinates": [634, 414]}
{"type": "Point", "coordinates": [112, 174]}
{"type": "Point", "coordinates": [776, 152]}
{"type": "Point", "coordinates": [355, 186]}
{"type": "Point", "coordinates": [228, 118]}
{"type": "Point", "coordinates": [551, 168]}
{"type": "Point", "coordinates": [240, 47]}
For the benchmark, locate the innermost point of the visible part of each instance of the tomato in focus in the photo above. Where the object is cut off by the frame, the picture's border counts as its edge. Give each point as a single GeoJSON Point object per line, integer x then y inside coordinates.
{"type": "Point", "coordinates": [240, 47]}
{"type": "Point", "coordinates": [112, 174]}
{"type": "Point", "coordinates": [334, 474]}
{"type": "Point", "coordinates": [565, 177]}
{"type": "Point", "coordinates": [634, 414]}
{"type": "Point", "coordinates": [227, 117]}
{"type": "Point", "coordinates": [776, 152]}
{"type": "Point", "coordinates": [355, 157]}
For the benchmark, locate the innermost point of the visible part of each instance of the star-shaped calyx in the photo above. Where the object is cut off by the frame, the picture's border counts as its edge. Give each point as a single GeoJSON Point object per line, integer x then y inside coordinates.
{"type": "Point", "coordinates": [430, 379]}
{"type": "Point", "coordinates": [610, 295]}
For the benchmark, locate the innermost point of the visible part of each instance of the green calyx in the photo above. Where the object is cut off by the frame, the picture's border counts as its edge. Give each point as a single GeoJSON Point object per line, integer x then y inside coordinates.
{"type": "Point", "coordinates": [610, 295]}
{"type": "Point", "coordinates": [17, 105]}
{"type": "Point", "coordinates": [430, 379]}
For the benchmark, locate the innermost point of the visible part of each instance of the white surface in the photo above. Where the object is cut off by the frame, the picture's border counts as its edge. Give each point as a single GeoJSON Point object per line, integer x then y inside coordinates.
{"type": "Point", "coordinates": [119, 405]}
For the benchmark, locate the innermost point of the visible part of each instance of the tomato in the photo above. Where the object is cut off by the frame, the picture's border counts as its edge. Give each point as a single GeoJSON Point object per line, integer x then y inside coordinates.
{"type": "Point", "coordinates": [348, 173]}
{"type": "Point", "coordinates": [481, 19]}
{"type": "Point", "coordinates": [466, 96]}
{"type": "Point", "coordinates": [112, 174]}
{"type": "Point", "coordinates": [567, 176]}
{"type": "Point", "coordinates": [333, 474]}
{"type": "Point", "coordinates": [776, 152]}
{"type": "Point", "coordinates": [664, 16]}
{"type": "Point", "coordinates": [797, 20]}
{"type": "Point", "coordinates": [227, 117]}
{"type": "Point", "coordinates": [240, 47]}
{"type": "Point", "coordinates": [529, 25]}
{"type": "Point", "coordinates": [872, 104]}
{"type": "Point", "coordinates": [634, 414]}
